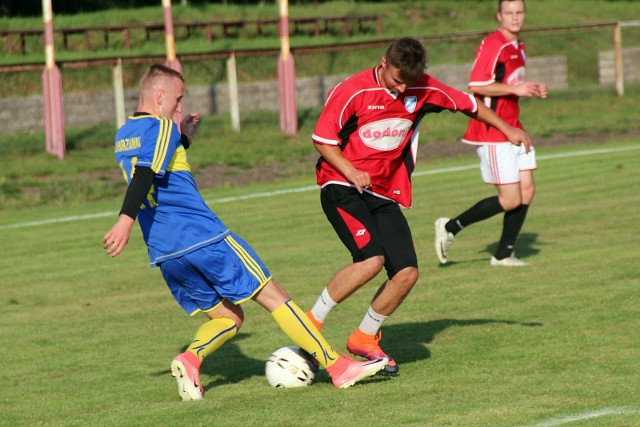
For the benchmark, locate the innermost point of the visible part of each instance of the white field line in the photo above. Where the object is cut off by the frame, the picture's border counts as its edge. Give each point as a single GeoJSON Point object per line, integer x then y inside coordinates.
{"type": "Point", "coordinates": [309, 188]}
{"type": "Point", "coordinates": [586, 416]}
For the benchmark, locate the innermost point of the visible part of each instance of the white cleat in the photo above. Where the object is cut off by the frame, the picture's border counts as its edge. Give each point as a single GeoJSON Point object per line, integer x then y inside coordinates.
{"type": "Point", "coordinates": [510, 261]}
{"type": "Point", "coordinates": [443, 241]}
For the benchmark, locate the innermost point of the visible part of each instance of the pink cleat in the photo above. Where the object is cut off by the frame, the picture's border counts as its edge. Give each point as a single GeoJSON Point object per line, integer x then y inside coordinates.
{"type": "Point", "coordinates": [346, 371]}
{"type": "Point", "coordinates": [186, 369]}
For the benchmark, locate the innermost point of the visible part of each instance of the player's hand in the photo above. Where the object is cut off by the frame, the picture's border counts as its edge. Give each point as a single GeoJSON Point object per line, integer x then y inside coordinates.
{"type": "Point", "coordinates": [189, 124]}
{"type": "Point", "coordinates": [542, 91]}
{"type": "Point", "coordinates": [360, 179]}
{"type": "Point", "coordinates": [531, 89]}
{"type": "Point", "coordinates": [117, 238]}
{"type": "Point", "coordinates": [518, 137]}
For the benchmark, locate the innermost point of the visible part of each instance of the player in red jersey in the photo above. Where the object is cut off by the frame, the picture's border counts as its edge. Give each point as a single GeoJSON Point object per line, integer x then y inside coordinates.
{"type": "Point", "coordinates": [498, 81]}
{"type": "Point", "coordinates": [367, 139]}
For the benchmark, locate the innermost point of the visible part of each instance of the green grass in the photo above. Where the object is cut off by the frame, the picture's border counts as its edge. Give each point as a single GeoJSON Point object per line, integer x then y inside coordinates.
{"type": "Point", "coordinates": [87, 340]}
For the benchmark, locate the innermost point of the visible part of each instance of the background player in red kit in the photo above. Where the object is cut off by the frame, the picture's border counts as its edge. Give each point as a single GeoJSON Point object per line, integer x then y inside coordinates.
{"type": "Point", "coordinates": [498, 81]}
{"type": "Point", "coordinates": [367, 138]}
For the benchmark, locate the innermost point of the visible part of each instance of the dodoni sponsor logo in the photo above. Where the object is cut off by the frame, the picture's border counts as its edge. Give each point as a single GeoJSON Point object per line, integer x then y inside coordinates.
{"type": "Point", "coordinates": [517, 77]}
{"type": "Point", "coordinates": [385, 135]}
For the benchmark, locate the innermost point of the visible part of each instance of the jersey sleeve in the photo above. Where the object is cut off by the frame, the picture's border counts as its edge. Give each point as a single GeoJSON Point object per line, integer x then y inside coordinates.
{"type": "Point", "coordinates": [337, 110]}
{"type": "Point", "coordinates": [159, 145]}
{"type": "Point", "coordinates": [451, 98]}
{"type": "Point", "coordinates": [483, 71]}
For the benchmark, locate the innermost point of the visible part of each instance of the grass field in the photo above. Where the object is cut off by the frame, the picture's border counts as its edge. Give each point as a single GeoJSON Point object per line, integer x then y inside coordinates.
{"type": "Point", "coordinates": [87, 340]}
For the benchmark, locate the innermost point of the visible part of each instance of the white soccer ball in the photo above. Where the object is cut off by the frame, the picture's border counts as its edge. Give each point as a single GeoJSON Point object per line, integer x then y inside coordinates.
{"type": "Point", "coordinates": [288, 367]}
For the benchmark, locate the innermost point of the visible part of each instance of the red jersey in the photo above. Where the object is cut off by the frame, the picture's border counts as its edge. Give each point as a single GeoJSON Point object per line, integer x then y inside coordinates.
{"type": "Point", "coordinates": [377, 131]}
{"type": "Point", "coordinates": [500, 60]}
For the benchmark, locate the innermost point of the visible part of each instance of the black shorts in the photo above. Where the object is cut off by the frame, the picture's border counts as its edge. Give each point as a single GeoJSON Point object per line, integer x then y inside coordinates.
{"type": "Point", "coordinates": [370, 226]}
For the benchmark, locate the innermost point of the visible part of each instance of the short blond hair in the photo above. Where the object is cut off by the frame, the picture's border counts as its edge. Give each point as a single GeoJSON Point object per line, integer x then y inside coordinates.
{"type": "Point", "coordinates": [156, 71]}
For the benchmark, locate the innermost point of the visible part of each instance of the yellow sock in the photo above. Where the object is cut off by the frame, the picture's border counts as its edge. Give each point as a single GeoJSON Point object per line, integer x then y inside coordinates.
{"type": "Point", "coordinates": [303, 333]}
{"type": "Point", "coordinates": [211, 336]}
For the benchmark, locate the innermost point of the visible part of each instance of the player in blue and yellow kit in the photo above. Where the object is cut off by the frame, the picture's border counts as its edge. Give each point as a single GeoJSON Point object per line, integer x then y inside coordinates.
{"type": "Point", "coordinates": [207, 267]}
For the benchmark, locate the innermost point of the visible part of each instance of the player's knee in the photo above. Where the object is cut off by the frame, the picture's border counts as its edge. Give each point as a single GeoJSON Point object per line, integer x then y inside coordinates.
{"type": "Point", "coordinates": [406, 278]}
{"type": "Point", "coordinates": [527, 194]}
{"type": "Point", "coordinates": [510, 203]}
{"type": "Point", "coordinates": [374, 265]}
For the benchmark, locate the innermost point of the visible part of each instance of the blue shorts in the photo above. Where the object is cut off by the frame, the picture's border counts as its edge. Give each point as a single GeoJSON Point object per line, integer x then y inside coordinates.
{"type": "Point", "coordinates": [228, 269]}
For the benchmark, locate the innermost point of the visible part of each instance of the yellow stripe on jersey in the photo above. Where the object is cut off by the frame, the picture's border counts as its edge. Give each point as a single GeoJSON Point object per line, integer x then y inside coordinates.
{"type": "Point", "coordinates": [179, 161]}
{"type": "Point", "coordinates": [162, 144]}
{"type": "Point", "coordinates": [247, 259]}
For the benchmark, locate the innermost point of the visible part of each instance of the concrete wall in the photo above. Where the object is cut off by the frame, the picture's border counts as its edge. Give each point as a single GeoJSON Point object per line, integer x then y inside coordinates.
{"type": "Point", "coordinates": [82, 109]}
{"type": "Point", "coordinates": [552, 70]}
{"type": "Point", "coordinates": [630, 66]}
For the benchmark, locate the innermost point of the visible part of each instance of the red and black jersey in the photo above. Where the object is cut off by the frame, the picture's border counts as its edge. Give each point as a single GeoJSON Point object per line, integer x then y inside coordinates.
{"type": "Point", "coordinates": [377, 130]}
{"type": "Point", "coordinates": [500, 60]}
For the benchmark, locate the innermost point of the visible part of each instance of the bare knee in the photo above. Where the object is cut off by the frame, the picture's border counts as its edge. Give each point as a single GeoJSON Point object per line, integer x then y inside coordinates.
{"type": "Point", "coordinates": [510, 202]}
{"type": "Point", "coordinates": [372, 266]}
{"type": "Point", "coordinates": [406, 278]}
{"type": "Point", "coordinates": [528, 192]}
{"type": "Point", "coordinates": [271, 296]}
{"type": "Point", "coordinates": [228, 310]}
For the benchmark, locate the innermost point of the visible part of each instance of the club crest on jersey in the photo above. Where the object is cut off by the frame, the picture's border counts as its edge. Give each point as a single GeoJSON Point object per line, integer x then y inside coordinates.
{"type": "Point", "coordinates": [410, 103]}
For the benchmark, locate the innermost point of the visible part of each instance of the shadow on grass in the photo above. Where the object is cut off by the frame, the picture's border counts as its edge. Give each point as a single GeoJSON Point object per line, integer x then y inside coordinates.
{"type": "Point", "coordinates": [230, 365]}
{"type": "Point", "coordinates": [526, 246]}
{"type": "Point", "coordinates": [406, 342]}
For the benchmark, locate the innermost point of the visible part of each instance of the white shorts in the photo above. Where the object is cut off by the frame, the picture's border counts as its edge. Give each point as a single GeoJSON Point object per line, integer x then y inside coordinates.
{"type": "Point", "coordinates": [502, 163]}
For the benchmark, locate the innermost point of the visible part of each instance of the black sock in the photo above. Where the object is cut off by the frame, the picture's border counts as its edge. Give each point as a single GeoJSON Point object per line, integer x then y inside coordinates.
{"type": "Point", "coordinates": [482, 210]}
{"type": "Point", "coordinates": [511, 226]}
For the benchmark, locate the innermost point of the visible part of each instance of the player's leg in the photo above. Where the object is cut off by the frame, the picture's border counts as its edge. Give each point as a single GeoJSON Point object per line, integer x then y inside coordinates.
{"type": "Point", "coordinates": [248, 277]}
{"type": "Point", "coordinates": [296, 325]}
{"type": "Point", "coordinates": [447, 228]}
{"type": "Point", "coordinates": [192, 291]}
{"type": "Point", "coordinates": [223, 325]}
{"type": "Point", "coordinates": [498, 167]}
{"type": "Point", "coordinates": [351, 218]}
{"type": "Point", "coordinates": [224, 322]}
{"type": "Point", "coordinates": [402, 269]}
{"type": "Point", "coordinates": [514, 218]}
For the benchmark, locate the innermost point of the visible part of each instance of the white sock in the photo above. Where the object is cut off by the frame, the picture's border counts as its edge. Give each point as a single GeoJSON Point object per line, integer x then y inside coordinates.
{"type": "Point", "coordinates": [372, 322]}
{"type": "Point", "coordinates": [323, 306]}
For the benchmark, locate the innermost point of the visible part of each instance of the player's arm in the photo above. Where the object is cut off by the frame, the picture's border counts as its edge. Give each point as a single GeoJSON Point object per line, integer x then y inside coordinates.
{"type": "Point", "coordinates": [333, 155]}
{"type": "Point", "coordinates": [187, 128]}
{"type": "Point", "coordinates": [526, 89]}
{"type": "Point", "coordinates": [514, 135]}
{"type": "Point", "coordinates": [116, 239]}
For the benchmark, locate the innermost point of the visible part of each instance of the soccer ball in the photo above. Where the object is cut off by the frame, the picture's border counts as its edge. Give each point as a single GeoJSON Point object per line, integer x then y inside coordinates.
{"type": "Point", "coordinates": [289, 367]}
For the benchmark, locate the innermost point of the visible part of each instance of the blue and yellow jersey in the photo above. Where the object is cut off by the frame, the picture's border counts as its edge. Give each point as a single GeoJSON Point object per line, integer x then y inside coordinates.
{"type": "Point", "coordinates": [174, 218]}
